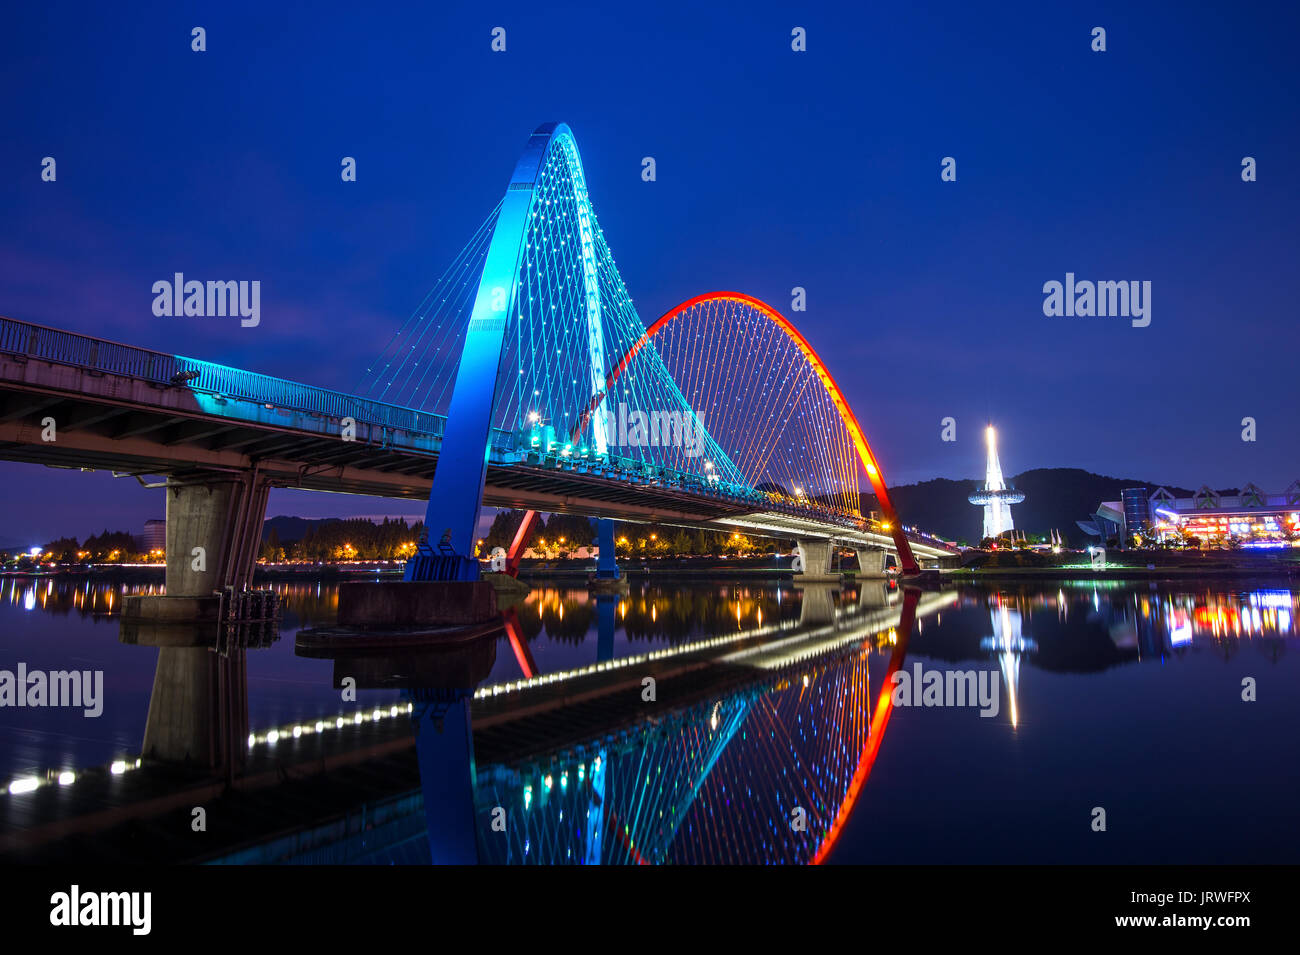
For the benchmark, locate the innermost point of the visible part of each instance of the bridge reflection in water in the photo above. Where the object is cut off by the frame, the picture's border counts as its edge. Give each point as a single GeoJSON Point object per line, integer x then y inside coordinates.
{"type": "Point", "coordinates": [718, 781]}
{"type": "Point", "coordinates": [751, 750]}
{"type": "Point", "coordinates": [768, 706]}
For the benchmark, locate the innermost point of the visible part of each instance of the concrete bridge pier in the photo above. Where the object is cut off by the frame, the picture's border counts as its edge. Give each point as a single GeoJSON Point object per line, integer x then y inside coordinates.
{"type": "Point", "coordinates": [198, 710]}
{"type": "Point", "coordinates": [872, 561]}
{"type": "Point", "coordinates": [817, 556]}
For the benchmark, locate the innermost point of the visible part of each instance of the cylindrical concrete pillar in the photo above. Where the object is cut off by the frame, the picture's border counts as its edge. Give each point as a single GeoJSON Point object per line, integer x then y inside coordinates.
{"type": "Point", "coordinates": [201, 524]}
{"type": "Point", "coordinates": [204, 523]}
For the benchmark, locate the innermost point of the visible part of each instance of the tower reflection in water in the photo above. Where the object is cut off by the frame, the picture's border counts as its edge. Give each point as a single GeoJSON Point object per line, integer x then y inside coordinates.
{"type": "Point", "coordinates": [1007, 643]}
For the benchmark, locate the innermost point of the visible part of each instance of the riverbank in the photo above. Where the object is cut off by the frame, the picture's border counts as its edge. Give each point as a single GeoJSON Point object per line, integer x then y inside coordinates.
{"type": "Point", "coordinates": [1155, 565]}
{"type": "Point", "coordinates": [150, 573]}
{"type": "Point", "coordinates": [1169, 565]}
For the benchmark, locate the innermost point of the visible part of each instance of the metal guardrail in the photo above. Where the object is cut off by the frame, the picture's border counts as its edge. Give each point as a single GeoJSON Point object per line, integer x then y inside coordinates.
{"type": "Point", "coordinates": [97, 354]}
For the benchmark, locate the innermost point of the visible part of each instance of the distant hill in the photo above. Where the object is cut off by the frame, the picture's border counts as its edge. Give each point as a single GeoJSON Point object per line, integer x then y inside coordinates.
{"type": "Point", "coordinates": [291, 529]}
{"type": "Point", "coordinates": [1054, 499]}
{"type": "Point", "coordinates": [294, 529]}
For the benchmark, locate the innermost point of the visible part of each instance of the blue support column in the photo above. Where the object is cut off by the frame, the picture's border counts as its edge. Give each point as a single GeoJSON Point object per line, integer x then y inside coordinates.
{"type": "Point", "coordinates": [607, 562]}
{"type": "Point", "coordinates": [457, 493]}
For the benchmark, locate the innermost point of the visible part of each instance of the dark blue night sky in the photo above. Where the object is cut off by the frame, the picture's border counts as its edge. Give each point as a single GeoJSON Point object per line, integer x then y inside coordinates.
{"type": "Point", "coordinates": [775, 169]}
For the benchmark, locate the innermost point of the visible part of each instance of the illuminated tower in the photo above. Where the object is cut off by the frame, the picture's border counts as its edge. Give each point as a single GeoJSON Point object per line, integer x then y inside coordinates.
{"type": "Point", "coordinates": [995, 497]}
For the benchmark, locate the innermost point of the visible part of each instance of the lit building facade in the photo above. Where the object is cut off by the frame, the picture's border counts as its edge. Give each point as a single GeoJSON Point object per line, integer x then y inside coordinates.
{"type": "Point", "coordinates": [1253, 517]}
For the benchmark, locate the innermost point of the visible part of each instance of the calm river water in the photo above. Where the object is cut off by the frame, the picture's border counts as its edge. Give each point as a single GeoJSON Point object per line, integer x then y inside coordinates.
{"type": "Point", "coordinates": [1126, 697]}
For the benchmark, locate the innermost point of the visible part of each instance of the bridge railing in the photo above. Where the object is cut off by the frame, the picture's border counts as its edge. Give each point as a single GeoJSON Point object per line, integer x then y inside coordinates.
{"type": "Point", "coordinates": [100, 355]}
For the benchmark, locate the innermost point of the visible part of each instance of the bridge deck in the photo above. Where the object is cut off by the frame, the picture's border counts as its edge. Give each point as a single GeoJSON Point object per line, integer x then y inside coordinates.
{"type": "Point", "coordinates": [135, 411]}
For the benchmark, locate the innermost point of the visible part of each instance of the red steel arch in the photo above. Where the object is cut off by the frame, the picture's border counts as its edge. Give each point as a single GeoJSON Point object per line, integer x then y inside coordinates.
{"type": "Point", "coordinates": [905, 559]}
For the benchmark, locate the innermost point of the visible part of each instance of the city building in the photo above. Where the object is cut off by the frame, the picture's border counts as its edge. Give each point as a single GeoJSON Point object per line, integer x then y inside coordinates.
{"type": "Point", "coordinates": [1137, 512]}
{"type": "Point", "coordinates": [1251, 517]}
{"type": "Point", "coordinates": [996, 497]}
{"type": "Point", "coordinates": [154, 536]}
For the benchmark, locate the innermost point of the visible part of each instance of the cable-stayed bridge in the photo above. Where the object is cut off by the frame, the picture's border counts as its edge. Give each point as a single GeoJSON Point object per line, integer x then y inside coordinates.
{"type": "Point", "coordinates": [525, 379]}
